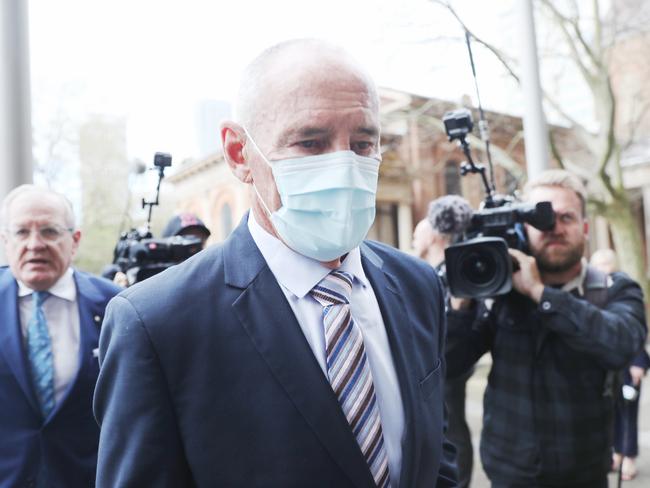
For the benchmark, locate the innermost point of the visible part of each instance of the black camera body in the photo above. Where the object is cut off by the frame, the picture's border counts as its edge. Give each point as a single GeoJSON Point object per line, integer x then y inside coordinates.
{"type": "Point", "coordinates": [480, 265]}
{"type": "Point", "coordinates": [140, 256]}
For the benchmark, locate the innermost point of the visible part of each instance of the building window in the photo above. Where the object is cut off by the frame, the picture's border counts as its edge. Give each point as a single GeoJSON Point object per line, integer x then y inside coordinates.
{"type": "Point", "coordinates": [452, 178]}
{"type": "Point", "coordinates": [226, 220]}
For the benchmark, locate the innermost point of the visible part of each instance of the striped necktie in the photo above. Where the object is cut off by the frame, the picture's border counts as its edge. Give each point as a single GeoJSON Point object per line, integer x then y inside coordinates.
{"type": "Point", "coordinates": [39, 352]}
{"type": "Point", "coordinates": [349, 372]}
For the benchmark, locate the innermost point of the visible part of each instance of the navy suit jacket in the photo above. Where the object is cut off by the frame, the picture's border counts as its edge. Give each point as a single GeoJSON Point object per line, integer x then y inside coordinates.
{"type": "Point", "coordinates": [207, 379]}
{"type": "Point", "coordinates": [66, 442]}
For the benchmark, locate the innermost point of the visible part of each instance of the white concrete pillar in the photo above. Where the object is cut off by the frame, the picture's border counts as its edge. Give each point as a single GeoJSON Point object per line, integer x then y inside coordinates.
{"type": "Point", "coordinates": [404, 227]}
{"type": "Point", "coordinates": [535, 129]}
{"type": "Point", "coordinates": [15, 108]}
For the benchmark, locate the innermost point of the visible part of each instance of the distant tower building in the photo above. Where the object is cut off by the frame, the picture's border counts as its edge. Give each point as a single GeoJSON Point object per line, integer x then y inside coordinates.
{"type": "Point", "coordinates": [209, 114]}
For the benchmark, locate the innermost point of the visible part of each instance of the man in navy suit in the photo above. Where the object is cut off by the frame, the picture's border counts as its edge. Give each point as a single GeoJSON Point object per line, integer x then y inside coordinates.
{"type": "Point", "coordinates": [294, 354]}
{"type": "Point", "coordinates": [50, 316]}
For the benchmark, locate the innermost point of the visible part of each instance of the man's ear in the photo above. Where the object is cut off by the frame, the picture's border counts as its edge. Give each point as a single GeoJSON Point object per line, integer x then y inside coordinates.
{"type": "Point", "coordinates": [76, 237]}
{"type": "Point", "coordinates": [233, 139]}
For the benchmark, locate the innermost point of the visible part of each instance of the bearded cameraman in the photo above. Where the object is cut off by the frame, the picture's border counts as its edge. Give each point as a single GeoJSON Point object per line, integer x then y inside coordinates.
{"type": "Point", "coordinates": [554, 341]}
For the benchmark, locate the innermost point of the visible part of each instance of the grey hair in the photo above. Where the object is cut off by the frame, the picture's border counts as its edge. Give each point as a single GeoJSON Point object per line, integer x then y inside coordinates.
{"type": "Point", "coordinates": [254, 79]}
{"type": "Point", "coordinates": [560, 178]}
{"type": "Point", "coordinates": [450, 215]}
{"type": "Point", "coordinates": [29, 188]}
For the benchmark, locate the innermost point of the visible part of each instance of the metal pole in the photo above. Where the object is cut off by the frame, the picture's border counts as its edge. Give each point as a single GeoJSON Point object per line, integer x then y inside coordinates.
{"type": "Point", "coordinates": [15, 108]}
{"type": "Point", "coordinates": [535, 130]}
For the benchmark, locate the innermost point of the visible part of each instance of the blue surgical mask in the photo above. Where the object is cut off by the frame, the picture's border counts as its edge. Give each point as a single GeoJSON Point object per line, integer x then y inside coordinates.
{"type": "Point", "coordinates": [328, 202]}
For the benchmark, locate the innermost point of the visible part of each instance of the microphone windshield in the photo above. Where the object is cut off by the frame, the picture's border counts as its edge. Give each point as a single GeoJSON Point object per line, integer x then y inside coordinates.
{"type": "Point", "coordinates": [450, 214]}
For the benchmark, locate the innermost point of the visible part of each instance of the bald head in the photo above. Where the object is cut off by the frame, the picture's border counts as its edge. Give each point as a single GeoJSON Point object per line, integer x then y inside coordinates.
{"type": "Point", "coordinates": [278, 74]}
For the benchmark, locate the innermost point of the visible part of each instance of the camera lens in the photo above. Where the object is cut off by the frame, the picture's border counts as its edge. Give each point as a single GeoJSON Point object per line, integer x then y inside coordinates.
{"type": "Point", "coordinates": [478, 268]}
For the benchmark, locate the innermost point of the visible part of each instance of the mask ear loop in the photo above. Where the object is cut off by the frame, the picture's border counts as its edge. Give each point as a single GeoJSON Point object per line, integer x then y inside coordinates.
{"type": "Point", "coordinates": [266, 208]}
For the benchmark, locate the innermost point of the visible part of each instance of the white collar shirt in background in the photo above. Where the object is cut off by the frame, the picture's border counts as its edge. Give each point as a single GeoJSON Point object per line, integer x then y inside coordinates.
{"type": "Point", "coordinates": [297, 275]}
{"type": "Point", "coordinates": [62, 316]}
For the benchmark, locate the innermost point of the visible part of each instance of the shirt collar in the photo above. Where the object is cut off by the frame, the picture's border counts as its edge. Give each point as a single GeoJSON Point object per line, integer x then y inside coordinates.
{"type": "Point", "coordinates": [64, 287]}
{"type": "Point", "coordinates": [298, 273]}
{"type": "Point", "coordinates": [577, 283]}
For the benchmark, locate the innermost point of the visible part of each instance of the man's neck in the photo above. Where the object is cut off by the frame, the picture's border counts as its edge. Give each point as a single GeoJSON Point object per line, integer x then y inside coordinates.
{"type": "Point", "coordinates": [561, 277]}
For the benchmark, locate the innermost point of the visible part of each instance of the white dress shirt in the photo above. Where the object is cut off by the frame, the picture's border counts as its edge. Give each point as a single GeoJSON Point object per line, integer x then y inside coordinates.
{"type": "Point", "coordinates": [297, 275]}
{"type": "Point", "coordinates": [62, 316]}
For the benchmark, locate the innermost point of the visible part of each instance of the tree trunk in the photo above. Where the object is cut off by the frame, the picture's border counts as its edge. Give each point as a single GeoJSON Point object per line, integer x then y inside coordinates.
{"type": "Point", "coordinates": [628, 242]}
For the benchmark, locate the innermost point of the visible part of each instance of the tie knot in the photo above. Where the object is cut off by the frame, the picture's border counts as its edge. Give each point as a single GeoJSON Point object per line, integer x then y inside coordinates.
{"type": "Point", "coordinates": [40, 297]}
{"type": "Point", "coordinates": [334, 289]}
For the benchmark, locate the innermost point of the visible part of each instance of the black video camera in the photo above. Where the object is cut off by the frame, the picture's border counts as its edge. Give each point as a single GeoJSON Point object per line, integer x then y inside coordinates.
{"type": "Point", "coordinates": [139, 255]}
{"type": "Point", "coordinates": [479, 266]}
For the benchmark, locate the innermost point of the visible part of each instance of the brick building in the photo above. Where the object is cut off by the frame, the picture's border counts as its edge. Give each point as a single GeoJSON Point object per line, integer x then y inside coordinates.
{"type": "Point", "coordinates": [419, 164]}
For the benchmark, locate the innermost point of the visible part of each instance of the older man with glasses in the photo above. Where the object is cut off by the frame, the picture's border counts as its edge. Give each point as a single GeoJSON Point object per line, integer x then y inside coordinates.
{"type": "Point", "coordinates": [50, 317]}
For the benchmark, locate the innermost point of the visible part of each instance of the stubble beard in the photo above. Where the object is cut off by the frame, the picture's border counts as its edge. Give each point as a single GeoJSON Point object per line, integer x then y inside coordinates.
{"type": "Point", "coordinates": [548, 263]}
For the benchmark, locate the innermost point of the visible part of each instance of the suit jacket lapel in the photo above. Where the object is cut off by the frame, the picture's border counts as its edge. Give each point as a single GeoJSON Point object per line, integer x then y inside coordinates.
{"type": "Point", "coordinates": [271, 325]}
{"type": "Point", "coordinates": [11, 337]}
{"type": "Point", "coordinates": [394, 314]}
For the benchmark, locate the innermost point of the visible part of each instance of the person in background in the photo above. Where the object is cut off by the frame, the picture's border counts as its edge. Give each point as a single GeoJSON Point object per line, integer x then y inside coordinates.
{"type": "Point", "coordinates": [294, 354]}
{"type": "Point", "coordinates": [554, 339]}
{"type": "Point", "coordinates": [50, 318]}
{"type": "Point", "coordinates": [187, 224]}
{"type": "Point", "coordinates": [626, 435]}
{"type": "Point", "coordinates": [446, 219]}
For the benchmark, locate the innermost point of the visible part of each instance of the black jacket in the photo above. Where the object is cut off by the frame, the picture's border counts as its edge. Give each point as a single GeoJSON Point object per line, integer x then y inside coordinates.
{"type": "Point", "coordinates": [547, 419]}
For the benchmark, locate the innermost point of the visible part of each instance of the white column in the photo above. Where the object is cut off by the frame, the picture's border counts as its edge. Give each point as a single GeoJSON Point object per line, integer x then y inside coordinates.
{"type": "Point", "coordinates": [535, 130]}
{"type": "Point", "coordinates": [15, 116]}
{"type": "Point", "coordinates": [404, 226]}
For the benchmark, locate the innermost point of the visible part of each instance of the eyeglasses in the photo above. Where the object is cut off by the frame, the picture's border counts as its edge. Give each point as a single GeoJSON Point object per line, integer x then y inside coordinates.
{"type": "Point", "coordinates": [48, 233]}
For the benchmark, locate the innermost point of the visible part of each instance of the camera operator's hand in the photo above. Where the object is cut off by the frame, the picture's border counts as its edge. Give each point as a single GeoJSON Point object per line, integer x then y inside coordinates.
{"type": "Point", "coordinates": [121, 279]}
{"type": "Point", "coordinates": [460, 303]}
{"type": "Point", "coordinates": [527, 280]}
{"type": "Point", "coordinates": [637, 373]}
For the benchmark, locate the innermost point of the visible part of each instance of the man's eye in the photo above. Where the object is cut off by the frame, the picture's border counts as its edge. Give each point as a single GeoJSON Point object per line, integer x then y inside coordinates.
{"type": "Point", "coordinates": [21, 233]}
{"type": "Point", "coordinates": [49, 233]}
{"type": "Point", "coordinates": [308, 144]}
{"type": "Point", "coordinates": [567, 218]}
{"type": "Point", "coordinates": [362, 146]}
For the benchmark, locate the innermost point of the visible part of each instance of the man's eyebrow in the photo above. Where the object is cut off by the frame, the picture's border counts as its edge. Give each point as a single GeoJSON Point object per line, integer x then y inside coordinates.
{"type": "Point", "coordinates": [303, 132]}
{"type": "Point", "coordinates": [369, 131]}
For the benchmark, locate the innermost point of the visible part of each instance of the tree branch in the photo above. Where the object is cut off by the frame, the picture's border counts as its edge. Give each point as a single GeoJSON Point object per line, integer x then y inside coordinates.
{"type": "Point", "coordinates": [576, 57]}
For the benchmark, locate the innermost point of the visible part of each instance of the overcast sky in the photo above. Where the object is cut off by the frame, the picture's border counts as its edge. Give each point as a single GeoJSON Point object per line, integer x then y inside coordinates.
{"type": "Point", "coordinates": [154, 61]}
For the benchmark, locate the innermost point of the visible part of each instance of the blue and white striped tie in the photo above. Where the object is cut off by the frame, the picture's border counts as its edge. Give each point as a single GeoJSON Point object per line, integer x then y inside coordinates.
{"type": "Point", "coordinates": [39, 352]}
{"type": "Point", "coordinates": [349, 372]}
